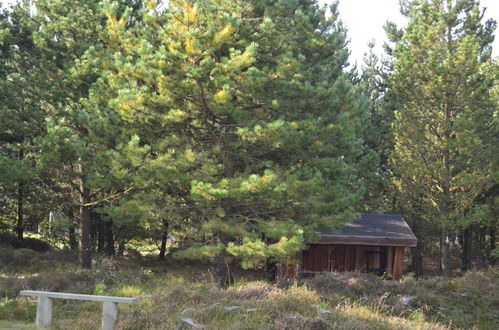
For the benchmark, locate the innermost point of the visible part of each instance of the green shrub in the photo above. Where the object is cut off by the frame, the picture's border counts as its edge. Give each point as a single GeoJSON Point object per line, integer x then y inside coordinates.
{"type": "Point", "coordinates": [7, 239]}
{"type": "Point", "coordinates": [20, 310]}
{"type": "Point", "coordinates": [33, 244]}
{"type": "Point", "coordinates": [6, 256]}
{"type": "Point", "coordinates": [80, 282]}
{"type": "Point", "coordinates": [25, 256]}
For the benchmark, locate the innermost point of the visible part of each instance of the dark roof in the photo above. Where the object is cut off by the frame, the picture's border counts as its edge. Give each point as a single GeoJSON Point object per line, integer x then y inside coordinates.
{"type": "Point", "coordinates": [372, 229]}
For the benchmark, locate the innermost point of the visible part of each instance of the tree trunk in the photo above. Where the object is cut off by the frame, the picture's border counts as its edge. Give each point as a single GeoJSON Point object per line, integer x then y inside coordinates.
{"type": "Point", "coordinates": [110, 250]}
{"type": "Point", "coordinates": [164, 238]}
{"type": "Point", "coordinates": [73, 244]}
{"type": "Point", "coordinates": [417, 259]}
{"type": "Point", "coordinates": [466, 253]}
{"type": "Point", "coordinates": [20, 212]}
{"type": "Point", "coordinates": [85, 239]}
{"type": "Point", "coordinates": [94, 227]}
{"type": "Point", "coordinates": [417, 252]}
{"type": "Point", "coordinates": [481, 233]}
{"type": "Point", "coordinates": [271, 270]}
{"type": "Point", "coordinates": [121, 249]}
{"type": "Point", "coordinates": [20, 206]}
{"type": "Point", "coordinates": [492, 261]}
{"type": "Point", "coordinates": [223, 273]}
{"type": "Point", "coordinates": [85, 223]}
{"type": "Point", "coordinates": [445, 259]}
{"type": "Point", "coordinates": [101, 233]}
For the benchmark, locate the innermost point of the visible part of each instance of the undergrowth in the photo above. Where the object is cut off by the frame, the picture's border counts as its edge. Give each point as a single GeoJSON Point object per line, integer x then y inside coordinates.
{"type": "Point", "coordinates": [183, 296]}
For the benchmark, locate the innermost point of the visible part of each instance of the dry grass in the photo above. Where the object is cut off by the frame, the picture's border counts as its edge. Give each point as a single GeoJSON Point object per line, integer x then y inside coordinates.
{"type": "Point", "coordinates": [259, 306]}
{"type": "Point", "coordinates": [462, 302]}
{"type": "Point", "coordinates": [170, 294]}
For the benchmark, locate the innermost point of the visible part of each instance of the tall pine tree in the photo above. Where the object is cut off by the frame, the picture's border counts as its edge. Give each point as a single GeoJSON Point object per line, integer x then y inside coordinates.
{"type": "Point", "coordinates": [438, 79]}
{"type": "Point", "coordinates": [21, 118]}
{"type": "Point", "coordinates": [79, 135]}
{"type": "Point", "coordinates": [250, 100]}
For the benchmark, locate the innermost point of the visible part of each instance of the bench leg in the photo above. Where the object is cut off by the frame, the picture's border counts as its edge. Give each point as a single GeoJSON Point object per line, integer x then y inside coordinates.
{"type": "Point", "coordinates": [43, 312]}
{"type": "Point", "coordinates": [109, 314]}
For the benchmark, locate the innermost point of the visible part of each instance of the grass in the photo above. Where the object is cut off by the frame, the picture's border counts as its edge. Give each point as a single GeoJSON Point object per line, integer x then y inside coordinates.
{"type": "Point", "coordinates": [172, 294]}
{"type": "Point", "coordinates": [10, 325]}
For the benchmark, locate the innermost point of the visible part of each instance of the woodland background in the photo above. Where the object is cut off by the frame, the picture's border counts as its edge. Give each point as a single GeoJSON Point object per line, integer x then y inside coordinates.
{"type": "Point", "coordinates": [230, 131]}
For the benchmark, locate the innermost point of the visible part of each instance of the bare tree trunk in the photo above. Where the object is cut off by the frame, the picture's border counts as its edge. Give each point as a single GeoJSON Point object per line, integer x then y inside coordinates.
{"type": "Point", "coordinates": [447, 176]}
{"type": "Point", "coordinates": [164, 239]}
{"type": "Point", "coordinates": [417, 252]}
{"type": "Point", "coordinates": [20, 212]}
{"type": "Point", "coordinates": [20, 206]}
{"type": "Point", "coordinates": [466, 253]}
{"type": "Point", "coordinates": [417, 259]}
{"type": "Point", "coordinates": [481, 233]}
{"type": "Point", "coordinates": [271, 270]}
{"type": "Point", "coordinates": [492, 261]}
{"type": "Point", "coordinates": [110, 250]}
{"type": "Point", "coordinates": [222, 268]}
{"type": "Point", "coordinates": [445, 260]}
{"type": "Point", "coordinates": [101, 233]}
{"type": "Point", "coordinates": [73, 244]}
{"type": "Point", "coordinates": [85, 223]}
{"type": "Point", "coordinates": [223, 273]}
{"type": "Point", "coordinates": [85, 239]}
{"type": "Point", "coordinates": [121, 248]}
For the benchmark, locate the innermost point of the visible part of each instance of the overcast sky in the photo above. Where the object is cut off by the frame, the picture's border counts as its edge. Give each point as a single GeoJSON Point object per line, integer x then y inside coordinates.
{"type": "Point", "coordinates": [365, 19]}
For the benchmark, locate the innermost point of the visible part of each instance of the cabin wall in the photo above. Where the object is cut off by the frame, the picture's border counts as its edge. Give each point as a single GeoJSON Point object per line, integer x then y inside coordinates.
{"type": "Point", "coordinates": [348, 258]}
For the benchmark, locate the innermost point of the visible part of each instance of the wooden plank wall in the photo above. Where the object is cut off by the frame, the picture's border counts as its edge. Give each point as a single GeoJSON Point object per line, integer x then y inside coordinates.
{"type": "Point", "coordinates": [389, 267]}
{"type": "Point", "coordinates": [341, 258]}
{"type": "Point", "coordinates": [398, 263]}
{"type": "Point", "coordinates": [360, 259]}
{"type": "Point", "coordinates": [316, 258]}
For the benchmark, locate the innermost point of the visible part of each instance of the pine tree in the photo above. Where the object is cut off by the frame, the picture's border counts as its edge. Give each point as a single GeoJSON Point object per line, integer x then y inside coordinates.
{"type": "Point", "coordinates": [444, 100]}
{"type": "Point", "coordinates": [80, 135]}
{"type": "Point", "coordinates": [376, 134]}
{"type": "Point", "coordinates": [244, 108]}
{"type": "Point", "coordinates": [21, 120]}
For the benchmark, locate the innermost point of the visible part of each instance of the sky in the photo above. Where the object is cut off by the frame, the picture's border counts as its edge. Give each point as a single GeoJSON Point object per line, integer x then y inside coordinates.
{"type": "Point", "coordinates": [365, 19]}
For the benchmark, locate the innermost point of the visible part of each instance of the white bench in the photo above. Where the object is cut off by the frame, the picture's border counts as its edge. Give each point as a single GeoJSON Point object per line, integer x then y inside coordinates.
{"type": "Point", "coordinates": [44, 306]}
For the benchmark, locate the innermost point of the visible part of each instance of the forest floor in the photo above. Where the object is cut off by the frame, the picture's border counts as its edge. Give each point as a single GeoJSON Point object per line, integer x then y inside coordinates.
{"type": "Point", "coordinates": [179, 295]}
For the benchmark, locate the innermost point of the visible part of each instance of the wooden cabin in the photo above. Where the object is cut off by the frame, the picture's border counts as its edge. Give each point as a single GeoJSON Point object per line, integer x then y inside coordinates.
{"type": "Point", "coordinates": [374, 243]}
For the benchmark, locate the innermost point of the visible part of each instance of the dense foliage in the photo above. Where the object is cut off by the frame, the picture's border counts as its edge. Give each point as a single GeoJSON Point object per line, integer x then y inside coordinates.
{"type": "Point", "coordinates": [444, 132]}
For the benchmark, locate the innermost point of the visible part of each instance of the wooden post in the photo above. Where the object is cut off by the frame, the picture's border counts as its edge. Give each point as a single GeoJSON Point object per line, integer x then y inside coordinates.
{"type": "Point", "coordinates": [389, 260]}
{"type": "Point", "coordinates": [109, 314]}
{"type": "Point", "coordinates": [359, 260]}
{"type": "Point", "coordinates": [43, 312]}
{"type": "Point", "coordinates": [349, 258]}
{"type": "Point", "coordinates": [398, 262]}
{"type": "Point", "coordinates": [375, 257]}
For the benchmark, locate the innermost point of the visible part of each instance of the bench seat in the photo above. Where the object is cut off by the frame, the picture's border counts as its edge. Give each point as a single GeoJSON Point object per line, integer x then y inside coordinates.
{"type": "Point", "coordinates": [44, 306]}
